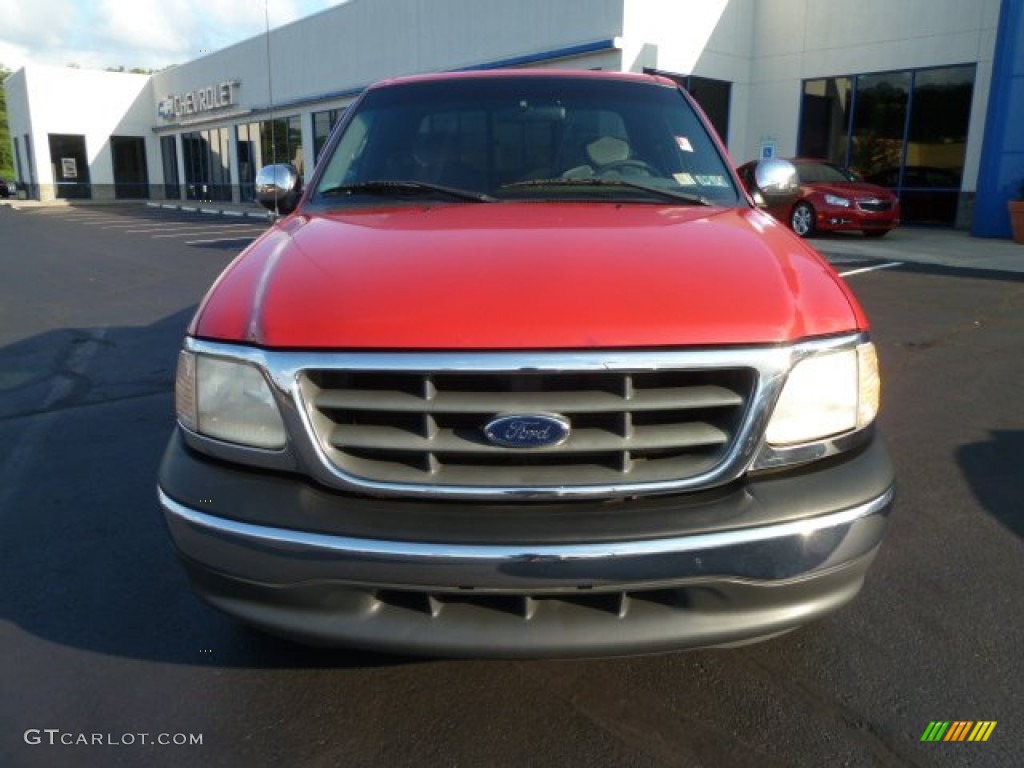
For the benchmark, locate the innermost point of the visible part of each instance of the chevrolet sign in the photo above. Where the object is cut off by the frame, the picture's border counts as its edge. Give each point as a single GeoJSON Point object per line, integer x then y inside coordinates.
{"type": "Point", "coordinates": [207, 99]}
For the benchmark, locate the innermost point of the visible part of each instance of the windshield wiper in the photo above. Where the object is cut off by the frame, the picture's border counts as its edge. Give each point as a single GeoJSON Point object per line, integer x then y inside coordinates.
{"type": "Point", "coordinates": [403, 188]}
{"type": "Point", "coordinates": [666, 194]}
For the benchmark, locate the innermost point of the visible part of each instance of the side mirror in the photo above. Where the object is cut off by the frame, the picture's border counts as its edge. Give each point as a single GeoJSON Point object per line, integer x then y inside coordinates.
{"type": "Point", "coordinates": [278, 187]}
{"type": "Point", "coordinates": [776, 182]}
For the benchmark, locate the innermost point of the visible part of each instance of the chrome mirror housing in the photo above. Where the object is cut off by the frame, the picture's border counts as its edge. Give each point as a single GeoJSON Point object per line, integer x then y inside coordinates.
{"type": "Point", "coordinates": [776, 182]}
{"type": "Point", "coordinates": [279, 187]}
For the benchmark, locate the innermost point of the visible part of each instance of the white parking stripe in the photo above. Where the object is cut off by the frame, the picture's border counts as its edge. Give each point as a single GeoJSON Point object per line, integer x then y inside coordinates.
{"type": "Point", "coordinates": [144, 223]}
{"type": "Point", "coordinates": [181, 228]}
{"type": "Point", "coordinates": [221, 240]}
{"type": "Point", "coordinates": [253, 232]}
{"type": "Point", "coordinates": [862, 270]}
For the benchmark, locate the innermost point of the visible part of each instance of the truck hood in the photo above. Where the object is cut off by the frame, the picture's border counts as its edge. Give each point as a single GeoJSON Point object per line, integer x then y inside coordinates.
{"type": "Point", "coordinates": [526, 276]}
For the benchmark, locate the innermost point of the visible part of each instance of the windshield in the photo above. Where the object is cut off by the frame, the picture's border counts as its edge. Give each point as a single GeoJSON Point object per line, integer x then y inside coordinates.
{"type": "Point", "coordinates": [525, 138]}
{"type": "Point", "coordinates": [811, 173]}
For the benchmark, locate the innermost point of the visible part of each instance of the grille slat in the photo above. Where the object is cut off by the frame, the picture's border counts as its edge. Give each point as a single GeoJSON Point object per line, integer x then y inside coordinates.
{"type": "Point", "coordinates": [428, 429]}
{"type": "Point", "coordinates": [385, 438]}
{"type": "Point", "coordinates": [706, 396]}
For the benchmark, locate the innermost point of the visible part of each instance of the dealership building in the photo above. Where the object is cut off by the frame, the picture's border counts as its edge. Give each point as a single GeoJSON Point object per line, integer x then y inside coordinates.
{"type": "Point", "coordinates": [923, 96]}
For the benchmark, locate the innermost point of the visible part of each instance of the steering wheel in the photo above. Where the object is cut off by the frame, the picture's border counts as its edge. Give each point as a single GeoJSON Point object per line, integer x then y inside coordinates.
{"type": "Point", "coordinates": [628, 167]}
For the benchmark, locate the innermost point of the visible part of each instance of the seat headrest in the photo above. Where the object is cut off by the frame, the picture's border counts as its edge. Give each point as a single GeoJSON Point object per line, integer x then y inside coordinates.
{"type": "Point", "coordinates": [607, 149]}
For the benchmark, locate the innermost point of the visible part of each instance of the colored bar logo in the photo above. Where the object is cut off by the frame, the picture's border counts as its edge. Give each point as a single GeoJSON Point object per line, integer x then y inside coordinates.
{"type": "Point", "coordinates": [958, 730]}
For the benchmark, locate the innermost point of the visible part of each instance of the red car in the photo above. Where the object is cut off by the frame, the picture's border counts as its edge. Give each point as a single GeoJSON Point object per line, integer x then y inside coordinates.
{"type": "Point", "coordinates": [833, 199]}
{"type": "Point", "coordinates": [523, 372]}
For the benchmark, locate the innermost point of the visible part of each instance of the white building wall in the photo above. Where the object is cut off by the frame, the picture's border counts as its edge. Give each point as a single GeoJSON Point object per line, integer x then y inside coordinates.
{"type": "Point", "coordinates": [85, 102]}
{"type": "Point", "coordinates": [353, 45]}
{"type": "Point", "coordinates": [803, 39]}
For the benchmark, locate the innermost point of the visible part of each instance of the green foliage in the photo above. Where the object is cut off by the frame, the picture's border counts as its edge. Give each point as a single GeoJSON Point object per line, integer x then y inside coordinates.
{"type": "Point", "coordinates": [6, 151]}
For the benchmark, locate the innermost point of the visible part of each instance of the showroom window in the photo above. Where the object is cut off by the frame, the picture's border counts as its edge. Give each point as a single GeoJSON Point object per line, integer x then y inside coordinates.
{"type": "Point", "coordinates": [131, 175]}
{"type": "Point", "coordinates": [207, 164]}
{"type": "Point", "coordinates": [323, 124]}
{"type": "Point", "coordinates": [17, 159]}
{"type": "Point", "coordinates": [265, 143]}
{"type": "Point", "coordinates": [31, 164]}
{"type": "Point", "coordinates": [904, 130]}
{"type": "Point", "coordinates": [169, 157]}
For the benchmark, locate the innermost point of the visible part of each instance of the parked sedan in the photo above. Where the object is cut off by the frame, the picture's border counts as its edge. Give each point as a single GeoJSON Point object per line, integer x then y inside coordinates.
{"type": "Point", "coordinates": [7, 188]}
{"type": "Point", "coordinates": [833, 199]}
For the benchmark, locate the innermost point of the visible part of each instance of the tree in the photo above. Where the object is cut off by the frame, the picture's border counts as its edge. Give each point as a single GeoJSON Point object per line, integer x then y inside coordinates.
{"type": "Point", "coordinates": [6, 159]}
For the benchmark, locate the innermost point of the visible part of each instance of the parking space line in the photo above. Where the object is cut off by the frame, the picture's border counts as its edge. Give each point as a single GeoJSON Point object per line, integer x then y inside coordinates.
{"type": "Point", "coordinates": [202, 232]}
{"type": "Point", "coordinates": [185, 228]}
{"type": "Point", "coordinates": [115, 223]}
{"type": "Point", "coordinates": [876, 267]}
{"type": "Point", "coordinates": [221, 240]}
{"type": "Point", "coordinates": [145, 222]}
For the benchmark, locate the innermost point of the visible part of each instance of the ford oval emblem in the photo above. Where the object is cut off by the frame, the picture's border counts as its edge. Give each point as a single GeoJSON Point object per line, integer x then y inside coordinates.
{"type": "Point", "coordinates": [527, 430]}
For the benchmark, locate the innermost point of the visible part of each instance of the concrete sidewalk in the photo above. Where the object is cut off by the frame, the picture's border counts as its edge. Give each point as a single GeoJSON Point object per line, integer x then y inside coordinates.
{"type": "Point", "coordinates": [921, 245]}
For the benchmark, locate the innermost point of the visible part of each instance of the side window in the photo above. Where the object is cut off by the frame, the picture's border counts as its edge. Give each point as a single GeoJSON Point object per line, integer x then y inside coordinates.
{"type": "Point", "coordinates": [346, 157]}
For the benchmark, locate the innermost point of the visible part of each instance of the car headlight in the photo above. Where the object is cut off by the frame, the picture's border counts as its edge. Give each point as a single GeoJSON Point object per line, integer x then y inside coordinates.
{"type": "Point", "coordinates": [227, 400]}
{"type": "Point", "coordinates": [825, 395]}
{"type": "Point", "coordinates": [839, 202]}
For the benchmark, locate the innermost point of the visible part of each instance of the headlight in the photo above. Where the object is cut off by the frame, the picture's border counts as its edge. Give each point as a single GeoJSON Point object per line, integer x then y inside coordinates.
{"type": "Point", "coordinates": [839, 202]}
{"type": "Point", "coordinates": [228, 401]}
{"type": "Point", "coordinates": [825, 395]}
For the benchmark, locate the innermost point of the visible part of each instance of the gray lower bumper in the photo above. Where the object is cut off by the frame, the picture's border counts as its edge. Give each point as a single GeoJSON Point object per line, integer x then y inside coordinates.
{"type": "Point", "coordinates": [634, 576]}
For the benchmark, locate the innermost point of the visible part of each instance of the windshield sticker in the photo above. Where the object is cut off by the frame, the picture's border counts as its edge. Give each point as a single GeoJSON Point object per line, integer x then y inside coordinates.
{"type": "Point", "coordinates": [684, 144]}
{"type": "Point", "coordinates": [712, 181]}
{"type": "Point", "coordinates": [684, 179]}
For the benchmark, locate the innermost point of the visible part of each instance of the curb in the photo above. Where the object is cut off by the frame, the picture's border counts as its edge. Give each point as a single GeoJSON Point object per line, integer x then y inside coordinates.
{"type": "Point", "coordinates": [210, 210]}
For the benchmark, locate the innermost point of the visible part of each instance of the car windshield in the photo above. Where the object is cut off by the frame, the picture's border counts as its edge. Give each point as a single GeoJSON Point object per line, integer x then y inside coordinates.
{"type": "Point", "coordinates": [812, 173]}
{"type": "Point", "coordinates": [478, 139]}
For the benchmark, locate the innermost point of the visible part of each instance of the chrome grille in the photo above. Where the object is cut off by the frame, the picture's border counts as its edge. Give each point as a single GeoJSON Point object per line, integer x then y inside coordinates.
{"type": "Point", "coordinates": [428, 428]}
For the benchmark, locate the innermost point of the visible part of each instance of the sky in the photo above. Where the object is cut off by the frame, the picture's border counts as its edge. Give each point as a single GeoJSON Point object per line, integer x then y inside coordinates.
{"type": "Point", "coordinates": [134, 33]}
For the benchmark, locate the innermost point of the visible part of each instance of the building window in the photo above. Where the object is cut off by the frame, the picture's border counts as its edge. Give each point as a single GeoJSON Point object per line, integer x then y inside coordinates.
{"type": "Point", "coordinates": [936, 147]}
{"type": "Point", "coordinates": [207, 164]}
{"type": "Point", "coordinates": [323, 124]}
{"type": "Point", "coordinates": [265, 143]}
{"type": "Point", "coordinates": [169, 158]}
{"type": "Point", "coordinates": [131, 174]}
{"type": "Point", "coordinates": [904, 130]}
{"type": "Point", "coordinates": [879, 123]}
{"type": "Point", "coordinates": [17, 159]}
{"type": "Point", "coordinates": [281, 141]}
{"type": "Point", "coordinates": [31, 180]}
{"type": "Point", "coordinates": [825, 118]}
{"type": "Point", "coordinates": [31, 162]}
{"type": "Point", "coordinates": [70, 166]}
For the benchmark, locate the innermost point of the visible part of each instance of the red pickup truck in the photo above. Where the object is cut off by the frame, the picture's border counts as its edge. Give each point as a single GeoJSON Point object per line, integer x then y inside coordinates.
{"type": "Point", "coordinates": [524, 371]}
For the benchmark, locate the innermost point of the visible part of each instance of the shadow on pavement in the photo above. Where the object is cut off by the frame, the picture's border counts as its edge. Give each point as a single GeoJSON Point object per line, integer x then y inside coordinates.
{"type": "Point", "coordinates": [993, 469]}
{"type": "Point", "coordinates": [85, 561]}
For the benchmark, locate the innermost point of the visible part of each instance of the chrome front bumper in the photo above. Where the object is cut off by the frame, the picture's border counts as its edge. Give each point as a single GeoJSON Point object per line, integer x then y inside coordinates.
{"type": "Point", "coordinates": [284, 557]}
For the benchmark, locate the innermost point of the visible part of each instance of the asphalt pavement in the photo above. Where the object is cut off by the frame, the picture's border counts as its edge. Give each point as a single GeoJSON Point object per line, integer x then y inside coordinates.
{"type": "Point", "coordinates": [105, 653]}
